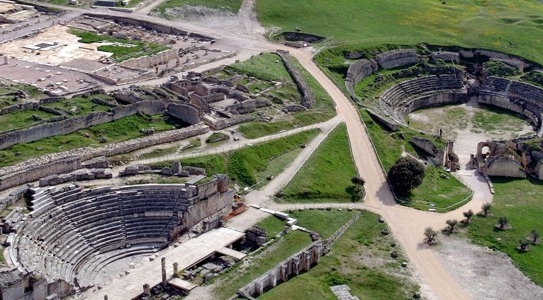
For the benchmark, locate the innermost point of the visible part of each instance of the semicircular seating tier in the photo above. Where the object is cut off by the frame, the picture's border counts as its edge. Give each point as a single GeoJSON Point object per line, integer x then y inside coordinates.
{"type": "Point", "coordinates": [520, 97]}
{"type": "Point", "coordinates": [74, 233]}
{"type": "Point", "coordinates": [434, 90]}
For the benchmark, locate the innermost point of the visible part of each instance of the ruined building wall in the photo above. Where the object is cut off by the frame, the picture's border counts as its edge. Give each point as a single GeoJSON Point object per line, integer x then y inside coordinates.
{"type": "Point", "coordinates": [357, 71]}
{"type": "Point", "coordinates": [308, 99]}
{"type": "Point", "coordinates": [151, 61]}
{"type": "Point", "coordinates": [504, 102]}
{"type": "Point", "coordinates": [70, 125]}
{"type": "Point", "coordinates": [505, 166]}
{"type": "Point", "coordinates": [185, 112]}
{"type": "Point", "coordinates": [63, 162]}
{"type": "Point", "coordinates": [397, 58]}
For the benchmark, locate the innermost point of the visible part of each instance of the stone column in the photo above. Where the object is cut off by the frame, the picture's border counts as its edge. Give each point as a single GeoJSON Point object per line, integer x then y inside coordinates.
{"type": "Point", "coordinates": [175, 270]}
{"type": "Point", "coordinates": [164, 279]}
{"type": "Point", "coordinates": [146, 290]}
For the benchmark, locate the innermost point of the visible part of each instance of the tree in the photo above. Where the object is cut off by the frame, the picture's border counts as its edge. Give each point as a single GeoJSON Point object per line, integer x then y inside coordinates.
{"type": "Point", "coordinates": [468, 214]}
{"type": "Point", "coordinates": [534, 236]}
{"type": "Point", "coordinates": [358, 181]}
{"type": "Point", "coordinates": [430, 235]}
{"type": "Point", "coordinates": [405, 175]}
{"type": "Point", "coordinates": [357, 193]}
{"type": "Point", "coordinates": [523, 245]}
{"type": "Point", "coordinates": [486, 208]}
{"type": "Point", "coordinates": [452, 223]}
{"type": "Point", "coordinates": [502, 221]}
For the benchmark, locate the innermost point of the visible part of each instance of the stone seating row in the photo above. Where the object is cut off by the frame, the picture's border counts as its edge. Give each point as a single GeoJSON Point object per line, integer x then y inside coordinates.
{"type": "Point", "coordinates": [404, 91]}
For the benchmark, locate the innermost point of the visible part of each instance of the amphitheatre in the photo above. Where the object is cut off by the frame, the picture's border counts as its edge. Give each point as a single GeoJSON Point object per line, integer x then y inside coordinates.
{"type": "Point", "coordinates": [243, 149]}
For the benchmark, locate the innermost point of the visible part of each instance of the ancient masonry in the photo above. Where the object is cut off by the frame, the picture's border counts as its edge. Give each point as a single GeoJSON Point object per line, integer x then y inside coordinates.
{"type": "Point", "coordinates": [107, 224]}
{"type": "Point", "coordinates": [308, 99]}
{"type": "Point", "coordinates": [63, 162]}
{"type": "Point", "coordinates": [292, 266]}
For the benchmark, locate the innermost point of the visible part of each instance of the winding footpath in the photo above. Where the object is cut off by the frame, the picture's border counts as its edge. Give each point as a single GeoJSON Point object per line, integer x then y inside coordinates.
{"type": "Point", "coordinates": [406, 224]}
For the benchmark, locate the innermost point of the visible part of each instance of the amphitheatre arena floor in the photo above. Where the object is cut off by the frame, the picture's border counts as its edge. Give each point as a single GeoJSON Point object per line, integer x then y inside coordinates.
{"type": "Point", "coordinates": [438, 281]}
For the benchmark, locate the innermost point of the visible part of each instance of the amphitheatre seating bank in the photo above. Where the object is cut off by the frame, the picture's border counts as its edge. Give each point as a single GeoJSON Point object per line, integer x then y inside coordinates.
{"type": "Point", "coordinates": [69, 226]}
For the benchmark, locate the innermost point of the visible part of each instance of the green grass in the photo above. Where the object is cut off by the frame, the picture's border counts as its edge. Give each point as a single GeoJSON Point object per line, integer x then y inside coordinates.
{"type": "Point", "coordinates": [122, 49]}
{"type": "Point", "coordinates": [347, 263]}
{"type": "Point", "coordinates": [266, 66]}
{"type": "Point", "coordinates": [158, 152]}
{"type": "Point", "coordinates": [117, 131]}
{"type": "Point", "coordinates": [434, 189]}
{"type": "Point", "coordinates": [520, 201]}
{"type": "Point", "coordinates": [440, 188]}
{"type": "Point", "coordinates": [512, 27]}
{"type": "Point", "coordinates": [255, 130]}
{"type": "Point", "coordinates": [281, 249]}
{"type": "Point", "coordinates": [217, 137]}
{"type": "Point", "coordinates": [77, 106]}
{"type": "Point", "coordinates": [326, 175]}
{"type": "Point", "coordinates": [497, 120]}
{"type": "Point", "coordinates": [228, 5]}
{"type": "Point", "coordinates": [251, 165]}
{"type": "Point", "coordinates": [23, 119]}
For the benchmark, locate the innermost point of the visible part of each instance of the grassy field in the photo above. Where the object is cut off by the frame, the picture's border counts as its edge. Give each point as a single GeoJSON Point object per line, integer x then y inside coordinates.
{"type": "Point", "coordinates": [117, 131]}
{"type": "Point", "coordinates": [512, 26]}
{"type": "Point", "coordinates": [520, 201]}
{"type": "Point", "coordinates": [78, 106]}
{"type": "Point", "coordinates": [251, 165]}
{"type": "Point", "coordinates": [326, 176]}
{"type": "Point", "coordinates": [443, 192]}
{"type": "Point", "coordinates": [269, 66]}
{"type": "Point", "coordinates": [282, 248]}
{"type": "Point", "coordinates": [8, 98]}
{"type": "Point", "coordinates": [121, 49]}
{"type": "Point", "coordinates": [440, 189]}
{"type": "Point", "coordinates": [498, 120]}
{"type": "Point", "coordinates": [228, 5]}
{"type": "Point", "coordinates": [23, 119]}
{"type": "Point", "coordinates": [360, 259]}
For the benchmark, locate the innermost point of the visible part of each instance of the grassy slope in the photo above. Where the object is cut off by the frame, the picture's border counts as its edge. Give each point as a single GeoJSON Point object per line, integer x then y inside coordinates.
{"type": "Point", "coordinates": [117, 131]}
{"type": "Point", "coordinates": [520, 201]}
{"type": "Point", "coordinates": [434, 189]}
{"type": "Point", "coordinates": [284, 247]}
{"type": "Point", "coordinates": [327, 173]}
{"type": "Point", "coordinates": [344, 266]}
{"type": "Point", "coordinates": [266, 67]}
{"type": "Point", "coordinates": [512, 26]}
{"type": "Point", "coordinates": [253, 164]}
{"type": "Point", "coordinates": [229, 5]}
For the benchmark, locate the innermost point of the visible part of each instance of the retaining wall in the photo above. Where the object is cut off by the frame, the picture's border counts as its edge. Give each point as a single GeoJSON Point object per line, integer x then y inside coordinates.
{"type": "Point", "coordinates": [64, 162]}
{"type": "Point", "coordinates": [308, 99]}
{"type": "Point", "coordinates": [70, 125]}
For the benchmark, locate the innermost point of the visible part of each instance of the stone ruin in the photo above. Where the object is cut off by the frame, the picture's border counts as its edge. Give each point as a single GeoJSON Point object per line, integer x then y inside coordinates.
{"type": "Point", "coordinates": [175, 170]}
{"type": "Point", "coordinates": [107, 224]}
{"type": "Point", "coordinates": [255, 237]}
{"type": "Point", "coordinates": [514, 158]}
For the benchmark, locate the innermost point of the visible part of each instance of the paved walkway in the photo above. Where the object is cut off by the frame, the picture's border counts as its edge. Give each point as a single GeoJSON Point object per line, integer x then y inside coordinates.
{"type": "Point", "coordinates": [186, 255]}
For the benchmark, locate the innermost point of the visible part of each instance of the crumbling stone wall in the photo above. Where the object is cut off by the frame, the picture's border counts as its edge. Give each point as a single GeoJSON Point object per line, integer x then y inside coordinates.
{"type": "Point", "coordinates": [446, 56]}
{"type": "Point", "coordinates": [148, 62]}
{"type": "Point", "coordinates": [292, 266]}
{"type": "Point", "coordinates": [397, 58]}
{"type": "Point", "coordinates": [223, 123]}
{"type": "Point", "coordinates": [185, 112]}
{"type": "Point", "coordinates": [308, 99]}
{"type": "Point", "coordinates": [70, 125]}
{"type": "Point", "coordinates": [63, 162]}
{"type": "Point", "coordinates": [504, 166]}
{"type": "Point", "coordinates": [357, 71]}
